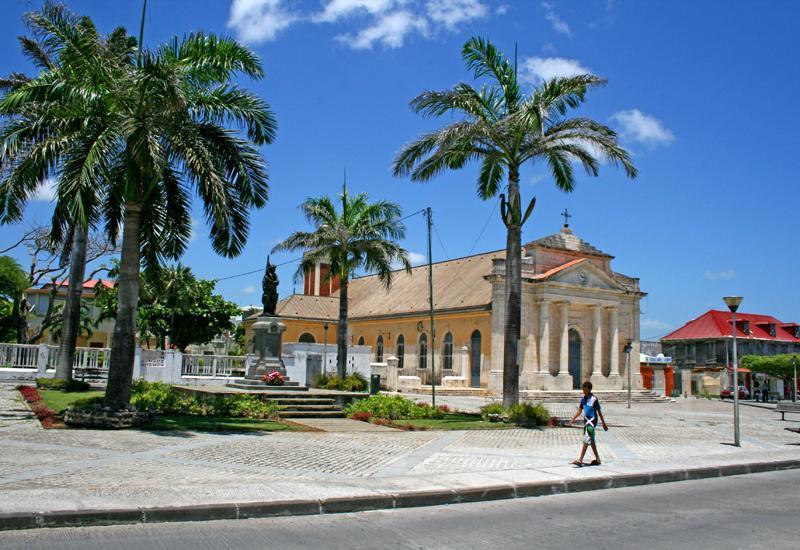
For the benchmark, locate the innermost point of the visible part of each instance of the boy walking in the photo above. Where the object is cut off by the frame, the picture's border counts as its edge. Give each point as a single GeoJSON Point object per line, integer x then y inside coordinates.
{"type": "Point", "coordinates": [590, 407]}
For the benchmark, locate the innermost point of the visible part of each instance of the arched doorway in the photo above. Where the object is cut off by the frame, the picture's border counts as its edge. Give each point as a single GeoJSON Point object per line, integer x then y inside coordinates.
{"type": "Point", "coordinates": [575, 358]}
{"type": "Point", "coordinates": [475, 359]}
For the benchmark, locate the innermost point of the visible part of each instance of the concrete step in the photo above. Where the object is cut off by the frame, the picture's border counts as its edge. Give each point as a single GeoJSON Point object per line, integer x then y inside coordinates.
{"type": "Point", "coordinates": [268, 389]}
{"type": "Point", "coordinates": [289, 401]}
{"type": "Point", "coordinates": [312, 414]}
{"type": "Point", "coordinates": [320, 408]}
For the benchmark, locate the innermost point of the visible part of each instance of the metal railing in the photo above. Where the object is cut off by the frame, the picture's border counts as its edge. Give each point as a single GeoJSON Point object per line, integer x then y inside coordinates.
{"type": "Point", "coordinates": [19, 356]}
{"type": "Point", "coordinates": [213, 365]}
{"type": "Point", "coordinates": [153, 358]}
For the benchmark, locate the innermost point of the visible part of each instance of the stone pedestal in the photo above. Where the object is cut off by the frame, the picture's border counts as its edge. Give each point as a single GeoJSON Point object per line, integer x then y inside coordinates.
{"type": "Point", "coordinates": [611, 382]}
{"type": "Point", "coordinates": [267, 342]}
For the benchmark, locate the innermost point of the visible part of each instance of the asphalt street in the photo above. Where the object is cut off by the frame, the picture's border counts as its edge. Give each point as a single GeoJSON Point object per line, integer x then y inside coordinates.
{"type": "Point", "coordinates": [752, 511]}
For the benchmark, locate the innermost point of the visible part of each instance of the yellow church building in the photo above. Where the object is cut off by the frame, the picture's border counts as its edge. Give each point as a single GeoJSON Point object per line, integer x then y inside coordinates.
{"type": "Point", "coordinates": [577, 316]}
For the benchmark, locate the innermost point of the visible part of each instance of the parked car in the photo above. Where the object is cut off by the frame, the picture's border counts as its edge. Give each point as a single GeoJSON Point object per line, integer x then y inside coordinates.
{"type": "Point", "coordinates": [727, 393]}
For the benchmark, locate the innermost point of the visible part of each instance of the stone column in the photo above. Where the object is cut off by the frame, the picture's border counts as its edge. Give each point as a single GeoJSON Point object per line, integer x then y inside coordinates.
{"type": "Point", "coordinates": [614, 313]}
{"type": "Point", "coordinates": [597, 347]}
{"type": "Point", "coordinates": [544, 339]}
{"type": "Point", "coordinates": [563, 359]}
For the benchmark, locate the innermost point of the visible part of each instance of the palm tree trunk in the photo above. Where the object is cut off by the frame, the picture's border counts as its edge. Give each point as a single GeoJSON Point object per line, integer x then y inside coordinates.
{"type": "Point", "coordinates": [71, 314]}
{"type": "Point", "coordinates": [123, 342]}
{"type": "Point", "coordinates": [513, 292]}
{"type": "Point", "coordinates": [341, 334]}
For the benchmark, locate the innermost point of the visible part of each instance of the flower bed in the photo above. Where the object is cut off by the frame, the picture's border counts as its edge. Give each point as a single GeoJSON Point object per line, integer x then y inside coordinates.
{"type": "Point", "coordinates": [46, 415]}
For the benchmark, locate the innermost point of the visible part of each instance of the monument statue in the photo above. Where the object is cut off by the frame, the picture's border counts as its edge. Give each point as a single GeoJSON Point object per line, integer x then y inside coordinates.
{"type": "Point", "coordinates": [269, 287]}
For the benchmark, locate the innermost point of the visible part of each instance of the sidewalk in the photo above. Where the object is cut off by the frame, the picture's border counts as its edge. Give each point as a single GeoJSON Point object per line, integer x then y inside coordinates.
{"type": "Point", "coordinates": [46, 476]}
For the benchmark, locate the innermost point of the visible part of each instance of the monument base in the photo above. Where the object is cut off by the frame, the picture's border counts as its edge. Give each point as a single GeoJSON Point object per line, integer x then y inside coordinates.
{"type": "Point", "coordinates": [606, 383]}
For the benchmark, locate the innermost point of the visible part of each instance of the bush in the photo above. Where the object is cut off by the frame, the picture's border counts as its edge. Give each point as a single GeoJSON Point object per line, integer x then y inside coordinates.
{"type": "Point", "coordinates": [164, 399]}
{"type": "Point", "coordinates": [353, 382]}
{"type": "Point", "coordinates": [361, 416]}
{"type": "Point", "coordinates": [87, 402]}
{"type": "Point", "coordinates": [495, 408]}
{"type": "Point", "coordinates": [392, 407]}
{"type": "Point", "coordinates": [62, 385]}
{"type": "Point", "coordinates": [528, 415]}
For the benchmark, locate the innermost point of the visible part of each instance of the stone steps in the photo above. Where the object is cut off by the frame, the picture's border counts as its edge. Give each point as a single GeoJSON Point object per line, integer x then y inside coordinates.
{"type": "Point", "coordinates": [616, 396]}
{"type": "Point", "coordinates": [333, 413]}
{"type": "Point", "coordinates": [244, 384]}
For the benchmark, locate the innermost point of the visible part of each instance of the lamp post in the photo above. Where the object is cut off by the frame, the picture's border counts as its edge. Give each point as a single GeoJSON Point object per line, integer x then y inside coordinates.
{"type": "Point", "coordinates": [733, 303]}
{"type": "Point", "coordinates": [627, 350]}
{"type": "Point", "coordinates": [794, 389]}
{"type": "Point", "coordinates": [325, 350]}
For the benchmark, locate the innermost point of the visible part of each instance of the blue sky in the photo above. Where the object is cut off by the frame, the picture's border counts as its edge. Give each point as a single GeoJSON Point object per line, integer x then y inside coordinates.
{"type": "Point", "coordinates": [702, 93]}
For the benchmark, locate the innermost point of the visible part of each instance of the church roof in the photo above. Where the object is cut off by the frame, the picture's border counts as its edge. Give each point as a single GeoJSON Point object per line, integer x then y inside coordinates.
{"type": "Point", "coordinates": [308, 307]}
{"type": "Point", "coordinates": [567, 240]}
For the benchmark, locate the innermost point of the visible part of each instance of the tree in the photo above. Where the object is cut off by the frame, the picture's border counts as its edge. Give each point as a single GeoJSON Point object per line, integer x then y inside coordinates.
{"type": "Point", "coordinates": [504, 129]}
{"type": "Point", "coordinates": [13, 282]}
{"type": "Point", "coordinates": [153, 126]}
{"type": "Point", "coordinates": [175, 305]}
{"type": "Point", "coordinates": [360, 235]}
{"type": "Point", "coordinates": [65, 48]}
{"type": "Point", "coordinates": [773, 365]}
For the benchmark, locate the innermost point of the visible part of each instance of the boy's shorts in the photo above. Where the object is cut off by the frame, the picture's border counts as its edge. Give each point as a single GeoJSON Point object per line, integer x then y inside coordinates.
{"type": "Point", "coordinates": [588, 434]}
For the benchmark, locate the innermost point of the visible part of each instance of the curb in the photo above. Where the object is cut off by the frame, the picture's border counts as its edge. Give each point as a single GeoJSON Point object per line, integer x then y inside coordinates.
{"type": "Point", "coordinates": [209, 512]}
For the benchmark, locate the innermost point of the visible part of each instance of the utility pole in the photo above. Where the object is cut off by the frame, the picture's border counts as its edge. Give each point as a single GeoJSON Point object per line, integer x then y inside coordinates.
{"type": "Point", "coordinates": [794, 389]}
{"type": "Point", "coordinates": [430, 300]}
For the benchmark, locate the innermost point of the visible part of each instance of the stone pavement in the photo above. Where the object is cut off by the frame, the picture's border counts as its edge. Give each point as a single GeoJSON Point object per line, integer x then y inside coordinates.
{"type": "Point", "coordinates": [50, 470]}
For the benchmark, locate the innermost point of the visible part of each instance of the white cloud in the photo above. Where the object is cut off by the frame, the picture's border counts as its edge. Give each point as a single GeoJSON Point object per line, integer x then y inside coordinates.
{"type": "Point", "coordinates": [389, 30]}
{"type": "Point", "coordinates": [414, 257]}
{"type": "Point", "coordinates": [46, 191]}
{"type": "Point", "coordinates": [501, 9]}
{"type": "Point", "coordinates": [717, 275]}
{"type": "Point", "coordinates": [256, 21]}
{"type": "Point", "coordinates": [642, 128]}
{"type": "Point", "coordinates": [339, 9]}
{"type": "Point", "coordinates": [451, 13]}
{"type": "Point", "coordinates": [538, 69]}
{"type": "Point", "coordinates": [195, 225]}
{"type": "Point", "coordinates": [558, 24]}
{"type": "Point", "coordinates": [249, 289]}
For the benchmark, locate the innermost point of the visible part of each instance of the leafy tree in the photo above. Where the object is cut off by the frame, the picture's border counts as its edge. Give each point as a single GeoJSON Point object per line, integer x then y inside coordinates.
{"type": "Point", "coordinates": [360, 235]}
{"type": "Point", "coordinates": [772, 365]}
{"type": "Point", "coordinates": [503, 129]}
{"type": "Point", "coordinates": [152, 127]}
{"type": "Point", "coordinates": [175, 305]}
{"type": "Point", "coordinates": [13, 282]}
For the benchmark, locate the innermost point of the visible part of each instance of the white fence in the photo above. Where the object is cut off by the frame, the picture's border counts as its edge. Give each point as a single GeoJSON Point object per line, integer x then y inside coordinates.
{"type": "Point", "coordinates": [19, 356]}
{"type": "Point", "coordinates": [213, 365]}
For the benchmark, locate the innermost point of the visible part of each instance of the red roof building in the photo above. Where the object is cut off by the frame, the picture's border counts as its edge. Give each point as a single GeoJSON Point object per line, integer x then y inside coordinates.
{"type": "Point", "coordinates": [705, 344]}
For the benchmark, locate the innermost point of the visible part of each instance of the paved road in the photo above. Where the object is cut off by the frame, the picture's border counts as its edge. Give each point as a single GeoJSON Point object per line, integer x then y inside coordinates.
{"type": "Point", "coordinates": [755, 511]}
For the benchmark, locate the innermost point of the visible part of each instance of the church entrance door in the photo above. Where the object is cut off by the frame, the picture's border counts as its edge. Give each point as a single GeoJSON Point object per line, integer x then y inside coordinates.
{"type": "Point", "coordinates": [475, 359]}
{"type": "Point", "coordinates": [575, 359]}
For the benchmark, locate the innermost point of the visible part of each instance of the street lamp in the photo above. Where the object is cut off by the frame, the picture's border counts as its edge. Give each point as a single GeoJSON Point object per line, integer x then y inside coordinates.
{"type": "Point", "coordinates": [733, 303]}
{"type": "Point", "coordinates": [794, 368]}
{"type": "Point", "coordinates": [627, 350]}
{"type": "Point", "coordinates": [325, 350]}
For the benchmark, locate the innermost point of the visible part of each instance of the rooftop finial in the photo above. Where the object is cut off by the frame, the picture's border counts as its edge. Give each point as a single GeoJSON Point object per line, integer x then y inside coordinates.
{"type": "Point", "coordinates": [566, 216]}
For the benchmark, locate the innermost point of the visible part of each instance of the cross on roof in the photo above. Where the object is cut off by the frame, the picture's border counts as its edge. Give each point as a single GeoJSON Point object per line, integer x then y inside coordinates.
{"type": "Point", "coordinates": [567, 216]}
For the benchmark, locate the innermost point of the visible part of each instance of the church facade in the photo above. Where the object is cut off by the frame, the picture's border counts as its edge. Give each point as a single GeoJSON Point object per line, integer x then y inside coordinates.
{"type": "Point", "coordinates": [577, 317]}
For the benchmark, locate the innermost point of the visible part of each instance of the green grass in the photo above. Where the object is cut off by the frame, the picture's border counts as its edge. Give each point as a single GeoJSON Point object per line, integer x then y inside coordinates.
{"type": "Point", "coordinates": [219, 424]}
{"type": "Point", "coordinates": [59, 400]}
{"type": "Point", "coordinates": [454, 421]}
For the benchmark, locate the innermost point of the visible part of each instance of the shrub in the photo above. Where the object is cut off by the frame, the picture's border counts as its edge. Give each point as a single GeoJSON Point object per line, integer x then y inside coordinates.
{"type": "Point", "coordinates": [444, 408]}
{"type": "Point", "coordinates": [528, 415]}
{"type": "Point", "coordinates": [326, 382]}
{"type": "Point", "coordinates": [87, 402]}
{"type": "Point", "coordinates": [354, 382]}
{"type": "Point", "coordinates": [245, 406]}
{"type": "Point", "coordinates": [164, 399]}
{"type": "Point", "coordinates": [45, 414]}
{"type": "Point", "coordinates": [62, 385]}
{"type": "Point", "coordinates": [361, 416]}
{"type": "Point", "coordinates": [29, 394]}
{"type": "Point", "coordinates": [491, 409]}
{"type": "Point", "coordinates": [392, 407]}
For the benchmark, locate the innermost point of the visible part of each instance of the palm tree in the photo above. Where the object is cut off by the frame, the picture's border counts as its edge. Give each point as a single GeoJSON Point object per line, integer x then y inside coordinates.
{"type": "Point", "coordinates": [361, 235]}
{"type": "Point", "coordinates": [503, 129]}
{"type": "Point", "coordinates": [56, 35]}
{"type": "Point", "coordinates": [154, 126]}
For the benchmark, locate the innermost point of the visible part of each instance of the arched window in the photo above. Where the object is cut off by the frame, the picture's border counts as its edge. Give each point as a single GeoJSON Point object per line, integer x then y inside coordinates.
{"type": "Point", "coordinates": [307, 338]}
{"type": "Point", "coordinates": [360, 340]}
{"type": "Point", "coordinates": [401, 350]}
{"type": "Point", "coordinates": [379, 349]}
{"type": "Point", "coordinates": [447, 351]}
{"type": "Point", "coordinates": [422, 356]}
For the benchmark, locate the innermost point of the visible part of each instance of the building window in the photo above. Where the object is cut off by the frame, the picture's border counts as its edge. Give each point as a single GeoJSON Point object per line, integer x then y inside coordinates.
{"type": "Point", "coordinates": [379, 350]}
{"type": "Point", "coordinates": [422, 356]}
{"type": "Point", "coordinates": [447, 351]}
{"type": "Point", "coordinates": [401, 350]}
{"type": "Point", "coordinates": [307, 338]}
{"type": "Point", "coordinates": [360, 340]}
